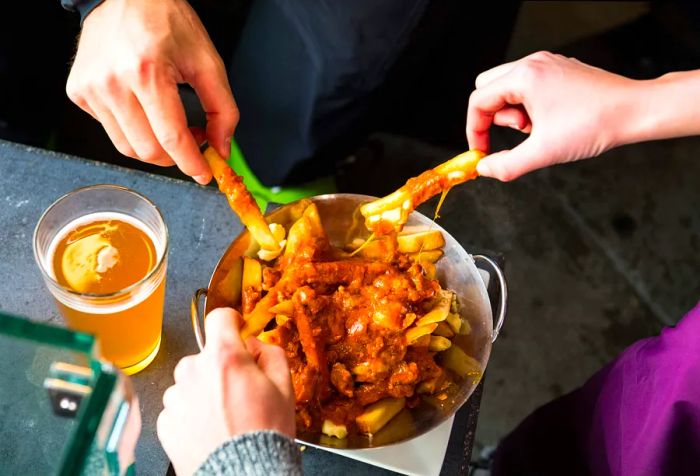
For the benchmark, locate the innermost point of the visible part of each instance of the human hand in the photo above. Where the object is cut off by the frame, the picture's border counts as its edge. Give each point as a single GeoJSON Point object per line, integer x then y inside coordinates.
{"type": "Point", "coordinates": [131, 56]}
{"type": "Point", "coordinates": [570, 110]}
{"type": "Point", "coordinates": [226, 390]}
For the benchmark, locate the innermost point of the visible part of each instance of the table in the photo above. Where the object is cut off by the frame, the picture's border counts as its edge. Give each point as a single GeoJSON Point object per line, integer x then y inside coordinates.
{"type": "Point", "coordinates": [201, 226]}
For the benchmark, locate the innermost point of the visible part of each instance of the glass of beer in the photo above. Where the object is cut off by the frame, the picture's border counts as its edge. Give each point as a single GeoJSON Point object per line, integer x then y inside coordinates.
{"type": "Point", "coordinates": [102, 251]}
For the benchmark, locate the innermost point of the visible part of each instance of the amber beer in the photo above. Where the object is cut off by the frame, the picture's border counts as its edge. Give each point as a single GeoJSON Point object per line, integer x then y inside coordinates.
{"type": "Point", "coordinates": [106, 270]}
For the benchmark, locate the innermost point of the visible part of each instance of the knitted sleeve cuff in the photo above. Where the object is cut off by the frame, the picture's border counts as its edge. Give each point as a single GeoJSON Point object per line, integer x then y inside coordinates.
{"type": "Point", "coordinates": [258, 453]}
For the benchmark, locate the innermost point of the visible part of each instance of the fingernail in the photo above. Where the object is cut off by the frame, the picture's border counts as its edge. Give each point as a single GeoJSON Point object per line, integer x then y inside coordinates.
{"type": "Point", "coordinates": [514, 126]}
{"type": "Point", "coordinates": [202, 179]}
{"type": "Point", "coordinates": [483, 168]}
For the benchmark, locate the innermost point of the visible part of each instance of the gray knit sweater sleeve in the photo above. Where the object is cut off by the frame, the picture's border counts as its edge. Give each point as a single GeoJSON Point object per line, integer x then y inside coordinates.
{"type": "Point", "coordinates": [258, 453]}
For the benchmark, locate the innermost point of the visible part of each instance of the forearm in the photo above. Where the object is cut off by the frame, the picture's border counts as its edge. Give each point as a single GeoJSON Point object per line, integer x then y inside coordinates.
{"type": "Point", "coordinates": [662, 108]}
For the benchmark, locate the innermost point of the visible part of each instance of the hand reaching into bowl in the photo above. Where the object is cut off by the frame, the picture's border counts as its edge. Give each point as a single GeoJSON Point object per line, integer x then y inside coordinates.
{"type": "Point", "coordinates": [131, 56]}
{"type": "Point", "coordinates": [229, 390]}
{"type": "Point", "coordinates": [573, 111]}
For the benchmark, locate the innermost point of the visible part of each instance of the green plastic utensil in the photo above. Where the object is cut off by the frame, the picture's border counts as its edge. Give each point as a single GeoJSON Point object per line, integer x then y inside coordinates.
{"type": "Point", "coordinates": [282, 195]}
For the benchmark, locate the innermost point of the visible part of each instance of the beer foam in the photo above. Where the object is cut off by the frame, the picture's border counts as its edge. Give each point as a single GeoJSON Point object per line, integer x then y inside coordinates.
{"type": "Point", "coordinates": [86, 307]}
{"type": "Point", "coordinates": [101, 216]}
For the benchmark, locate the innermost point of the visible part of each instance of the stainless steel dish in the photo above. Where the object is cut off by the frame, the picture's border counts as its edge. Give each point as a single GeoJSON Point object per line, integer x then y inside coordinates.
{"type": "Point", "coordinates": [456, 271]}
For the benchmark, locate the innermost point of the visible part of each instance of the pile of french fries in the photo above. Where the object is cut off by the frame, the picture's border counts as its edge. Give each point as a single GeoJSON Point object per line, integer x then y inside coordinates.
{"type": "Point", "coordinates": [434, 328]}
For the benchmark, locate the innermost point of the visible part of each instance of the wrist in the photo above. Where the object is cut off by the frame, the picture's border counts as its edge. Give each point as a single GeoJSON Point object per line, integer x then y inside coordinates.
{"type": "Point", "coordinates": [662, 108]}
{"type": "Point", "coordinates": [634, 118]}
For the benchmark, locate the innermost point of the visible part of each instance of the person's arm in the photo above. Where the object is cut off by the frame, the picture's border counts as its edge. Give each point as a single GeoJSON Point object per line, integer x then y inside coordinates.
{"type": "Point", "coordinates": [666, 107]}
{"type": "Point", "coordinates": [573, 111]}
{"type": "Point", "coordinates": [259, 453]}
{"type": "Point", "coordinates": [131, 56]}
{"type": "Point", "coordinates": [231, 410]}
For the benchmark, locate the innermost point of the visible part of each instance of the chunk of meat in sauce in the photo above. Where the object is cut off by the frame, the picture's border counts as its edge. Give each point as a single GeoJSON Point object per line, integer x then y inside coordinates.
{"type": "Point", "coordinates": [250, 298]}
{"type": "Point", "coordinates": [341, 378]}
{"type": "Point", "coordinates": [270, 277]}
{"type": "Point", "coordinates": [311, 336]}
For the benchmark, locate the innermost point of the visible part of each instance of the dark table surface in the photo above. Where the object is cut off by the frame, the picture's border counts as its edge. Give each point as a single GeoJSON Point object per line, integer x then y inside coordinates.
{"type": "Point", "coordinates": [201, 226]}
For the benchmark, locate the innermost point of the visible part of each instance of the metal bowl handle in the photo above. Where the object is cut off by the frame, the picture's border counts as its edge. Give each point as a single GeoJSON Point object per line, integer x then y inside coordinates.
{"type": "Point", "coordinates": [489, 264]}
{"type": "Point", "coordinates": [194, 312]}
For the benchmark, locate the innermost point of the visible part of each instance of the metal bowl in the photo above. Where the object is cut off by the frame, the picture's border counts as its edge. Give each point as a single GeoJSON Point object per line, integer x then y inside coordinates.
{"type": "Point", "coordinates": [456, 271]}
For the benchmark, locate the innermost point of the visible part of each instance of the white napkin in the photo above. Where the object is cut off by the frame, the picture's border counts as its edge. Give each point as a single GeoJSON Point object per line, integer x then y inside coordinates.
{"type": "Point", "coordinates": [422, 456]}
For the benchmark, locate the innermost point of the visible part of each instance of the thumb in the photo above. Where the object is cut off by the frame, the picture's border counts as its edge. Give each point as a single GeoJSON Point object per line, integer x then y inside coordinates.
{"type": "Point", "coordinates": [507, 165]}
{"type": "Point", "coordinates": [221, 327]}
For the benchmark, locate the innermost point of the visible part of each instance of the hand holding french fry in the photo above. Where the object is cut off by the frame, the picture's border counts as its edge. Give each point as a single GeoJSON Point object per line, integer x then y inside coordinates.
{"type": "Point", "coordinates": [390, 214]}
{"type": "Point", "coordinates": [203, 409]}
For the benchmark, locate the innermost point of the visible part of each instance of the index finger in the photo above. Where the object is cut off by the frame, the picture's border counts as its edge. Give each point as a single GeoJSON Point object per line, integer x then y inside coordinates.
{"type": "Point", "coordinates": [214, 92]}
{"type": "Point", "coordinates": [494, 73]}
{"type": "Point", "coordinates": [161, 103]}
{"type": "Point", "coordinates": [222, 327]}
{"type": "Point", "coordinates": [484, 103]}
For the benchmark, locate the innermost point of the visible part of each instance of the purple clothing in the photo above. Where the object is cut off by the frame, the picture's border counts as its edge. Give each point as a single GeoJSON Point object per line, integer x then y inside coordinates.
{"type": "Point", "coordinates": [640, 415]}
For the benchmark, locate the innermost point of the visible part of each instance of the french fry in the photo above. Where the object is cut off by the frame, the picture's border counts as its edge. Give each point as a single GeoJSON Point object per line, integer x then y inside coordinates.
{"type": "Point", "coordinates": [398, 428]}
{"type": "Point", "coordinates": [455, 322]}
{"type": "Point", "coordinates": [429, 269]}
{"type": "Point", "coordinates": [409, 319]}
{"type": "Point", "coordinates": [290, 213]}
{"type": "Point", "coordinates": [333, 429]}
{"type": "Point", "coordinates": [378, 414]}
{"type": "Point", "coordinates": [422, 341]}
{"type": "Point", "coordinates": [366, 371]}
{"type": "Point", "coordinates": [391, 212]}
{"type": "Point", "coordinates": [240, 200]}
{"type": "Point", "coordinates": [258, 319]}
{"type": "Point", "coordinates": [251, 282]}
{"type": "Point", "coordinates": [281, 319]}
{"type": "Point", "coordinates": [230, 286]}
{"type": "Point", "coordinates": [460, 363]}
{"type": "Point", "coordinates": [283, 307]}
{"type": "Point", "coordinates": [361, 369]}
{"type": "Point", "coordinates": [270, 337]}
{"type": "Point", "coordinates": [306, 228]}
{"type": "Point", "coordinates": [444, 330]}
{"type": "Point", "coordinates": [421, 241]}
{"type": "Point", "coordinates": [431, 256]}
{"type": "Point", "coordinates": [381, 249]}
{"type": "Point", "coordinates": [440, 310]}
{"type": "Point", "coordinates": [416, 332]}
{"type": "Point", "coordinates": [252, 274]}
{"type": "Point", "coordinates": [427, 386]}
{"type": "Point", "coordinates": [438, 343]}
